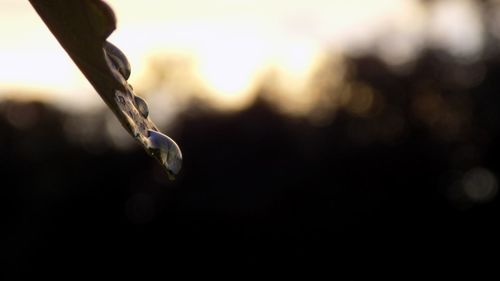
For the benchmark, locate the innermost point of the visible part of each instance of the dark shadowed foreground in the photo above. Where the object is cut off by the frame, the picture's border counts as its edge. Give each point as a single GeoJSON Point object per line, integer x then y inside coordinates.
{"type": "Point", "coordinates": [416, 176]}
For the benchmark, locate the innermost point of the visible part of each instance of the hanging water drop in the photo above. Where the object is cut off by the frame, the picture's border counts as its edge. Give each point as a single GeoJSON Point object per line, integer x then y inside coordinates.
{"type": "Point", "coordinates": [118, 59]}
{"type": "Point", "coordinates": [82, 28]}
{"type": "Point", "coordinates": [166, 151]}
{"type": "Point", "coordinates": [141, 106]}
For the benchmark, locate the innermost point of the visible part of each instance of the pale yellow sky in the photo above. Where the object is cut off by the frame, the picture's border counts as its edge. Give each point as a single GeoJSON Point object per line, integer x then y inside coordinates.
{"type": "Point", "coordinates": [232, 42]}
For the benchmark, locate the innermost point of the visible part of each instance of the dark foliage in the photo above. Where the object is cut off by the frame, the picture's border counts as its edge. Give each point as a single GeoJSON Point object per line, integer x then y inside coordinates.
{"type": "Point", "coordinates": [258, 187]}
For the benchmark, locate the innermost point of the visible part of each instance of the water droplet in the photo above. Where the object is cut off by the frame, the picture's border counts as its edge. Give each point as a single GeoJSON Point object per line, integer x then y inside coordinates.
{"type": "Point", "coordinates": [121, 100]}
{"type": "Point", "coordinates": [141, 106]}
{"type": "Point", "coordinates": [118, 59]}
{"type": "Point", "coordinates": [132, 113]}
{"type": "Point", "coordinates": [166, 151]}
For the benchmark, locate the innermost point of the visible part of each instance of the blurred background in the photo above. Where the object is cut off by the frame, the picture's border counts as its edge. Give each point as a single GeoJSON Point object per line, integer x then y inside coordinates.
{"type": "Point", "coordinates": [311, 130]}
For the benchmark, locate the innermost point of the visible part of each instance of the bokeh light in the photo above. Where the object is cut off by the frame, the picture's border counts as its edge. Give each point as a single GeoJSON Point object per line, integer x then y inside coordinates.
{"type": "Point", "coordinates": [480, 185]}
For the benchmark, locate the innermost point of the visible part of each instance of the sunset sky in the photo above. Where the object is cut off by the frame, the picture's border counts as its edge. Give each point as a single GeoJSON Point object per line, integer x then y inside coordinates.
{"type": "Point", "coordinates": [232, 42]}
